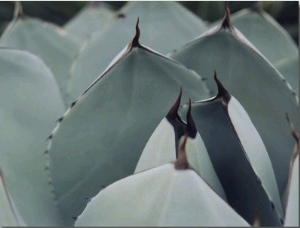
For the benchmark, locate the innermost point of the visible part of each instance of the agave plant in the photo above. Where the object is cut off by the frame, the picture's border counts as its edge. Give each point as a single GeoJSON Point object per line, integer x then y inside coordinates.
{"type": "Point", "coordinates": [122, 152]}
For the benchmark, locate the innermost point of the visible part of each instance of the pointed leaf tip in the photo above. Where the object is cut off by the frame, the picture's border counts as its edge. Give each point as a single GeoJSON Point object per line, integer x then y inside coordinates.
{"type": "Point", "coordinates": [18, 11]}
{"type": "Point", "coordinates": [226, 24]}
{"type": "Point", "coordinates": [222, 92]}
{"type": "Point", "coordinates": [173, 113]}
{"type": "Point", "coordinates": [191, 127]}
{"type": "Point", "coordinates": [135, 41]}
{"type": "Point", "coordinates": [182, 163]}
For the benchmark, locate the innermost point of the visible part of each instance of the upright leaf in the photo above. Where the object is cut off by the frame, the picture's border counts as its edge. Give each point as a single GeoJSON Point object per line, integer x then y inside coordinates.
{"type": "Point", "coordinates": [111, 122]}
{"type": "Point", "coordinates": [239, 157]}
{"type": "Point", "coordinates": [91, 18]}
{"type": "Point", "coordinates": [163, 30]}
{"type": "Point", "coordinates": [253, 81]}
{"type": "Point", "coordinates": [168, 195]}
{"type": "Point", "coordinates": [265, 34]}
{"type": "Point", "coordinates": [30, 104]}
{"type": "Point", "coordinates": [161, 150]}
{"type": "Point", "coordinates": [271, 40]}
{"type": "Point", "coordinates": [49, 42]}
{"type": "Point", "coordinates": [292, 191]}
{"type": "Point", "coordinates": [9, 215]}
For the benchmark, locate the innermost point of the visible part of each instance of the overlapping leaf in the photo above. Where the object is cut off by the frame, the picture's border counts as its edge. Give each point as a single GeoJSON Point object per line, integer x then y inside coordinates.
{"type": "Point", "coordinates": [9, 216]}
{"type": "Point", "coordinates": [165, 25]}
{"type": "Point", "coordinates": [51, 43]}
{"type": "Point", "coordinates": [111, 122]}
{"type": "Point", "coordinates": [179, 197]}
{"type": "Point", "coordinates": [162, 148]}
{"type": "Point", "coordinates": [239, 157]}
{"type": "Point", "coordinates": [253, 81]}
{"type": "Point", "coordinates": [30, 104]}
{"type": "Point", "coordinates": [292, 191]}
{"type": "Point", "coordinates": [91, 18]}
{"type": "Point", "coordinates": [270, 39]}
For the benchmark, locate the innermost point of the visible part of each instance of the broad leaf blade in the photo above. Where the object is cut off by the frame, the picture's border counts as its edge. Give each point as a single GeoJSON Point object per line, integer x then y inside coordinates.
{"type": "Point", "coordinates": [178, 198]}
{"type": "Point", "coordinates": [117, 115]}
{"type": "Point", "coordinates": [30, 104]}
{"type": "Point", "coordinates": [239, 158]}
{"type": "Point", "coordinates": [265, 34]}
{"type": "Point", "coordinates": [91, 18]}
{"type": "Point", "coordinates": [49, 42]}
{"type": "Point", "coordinates": [254, 82]}
{"type": "Point", "coordinates": [292, 210]}
{"type": "Point", "coordinates": [8, 213]}
{"type": "Point", "coordinates": [158, 20]}
{"type": "Point", "coordinates": [289, 68]}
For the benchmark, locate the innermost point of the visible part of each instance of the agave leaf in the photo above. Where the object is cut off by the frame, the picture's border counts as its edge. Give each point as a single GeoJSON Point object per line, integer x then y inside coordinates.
{"type": "Point", "coordinates": [161, 150]}
{"type": "Point", "coordinates": [51, 43]}
{"type": "Point", "coordinates": [292, 191]}
{"type": "Point", "coordinates": [253, 81]}
{"type": "Point", "coordinates": [30, 104]}
{"type": "Point", "coordinates": [265, 34]}
{"type": "Point", "coordinates": [159, 20]}
{"type": "Point", "coordinates": [9, 215]}
{"type": "Point", "coordinates": [161, 147]}
{"type": "Point", "coordinates": [239, 157]}
{"type": "Point", "coordinates": [117, 116]}
{"type": "Point", "coordinates": [89, 19]}
{"type": "Point", "coordinates": [168, 195]}
{"type": "Point", "coordinates": [275, 43]}
{"type": "Point", "coordinates": [289, 68]}
{"type": "Point", "coordinates": [292, 210]}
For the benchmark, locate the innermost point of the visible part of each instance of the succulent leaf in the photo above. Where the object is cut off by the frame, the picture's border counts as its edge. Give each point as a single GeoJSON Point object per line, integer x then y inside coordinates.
{"type": "Point", "coordinates": [292, 191]}
{"type": "Point", "coordinates": [107, 43]}
{"type": "Point", "coordinates": [250, 78]}
{"type": "Point", "coordinates": [178, 198]}
{"type": "Point", "coordinates": [275, 43]}
{"type": "Point", "coordinates": [118, 113]}
{"type": "Point", "coordinates": [239, 157]}
{"type": "Point", "coordinates": [161, 150]}
{"type": "Point", "coordinates": [162, 146]}
{"type": "Point", "coordinates": [30, 103]}
{"type": "Point", "coordinates": [265, 34]}
{"type": "Point", "coordinates": [292, 210]}
{"type": "Point", "coordinates": [51, 43]}
{"type": "Point", "coordinates": [93, 17]}
{"type": "Point", "coordinates": [9, 215]}
{"type": "Point", "coordinates": [289, 68]}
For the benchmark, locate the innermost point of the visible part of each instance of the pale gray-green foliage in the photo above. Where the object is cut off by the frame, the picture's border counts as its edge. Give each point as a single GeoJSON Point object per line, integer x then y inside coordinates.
{"type": "Point", "coordinates": [30, 104]}
{"type": "Point", "coordinates": [236, 152]}
{"type": "Point", "coordinates": [162, 29]}
{"type": "Point", "coordinates": [178, 198]}
{"type": "Point", "coordinates": [111, 122]}
{"type": "Point", "coordinates": [101, 136]}
{"type": "Point", "coordinates": [271, 40]}
{"type": "Point", "coordinates": [292, 210]}
{"type": "Point", "coordinates": [49, 42]}
{"type": "Point", "coordinates": [91, 18]}
{"type": "Point", "coordinates": [250, 78]}
{"type": "Point", "coordinates": [160, 149]}
{"type": "Point", "coordinates": [9, 215]}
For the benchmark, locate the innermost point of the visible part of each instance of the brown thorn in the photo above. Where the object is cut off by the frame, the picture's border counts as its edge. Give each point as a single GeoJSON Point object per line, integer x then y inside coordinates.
{"type": "Point", "coordinates": [226, 24]}
{"type": "Point", "coordinates": [172, 114]}
{"type": "Point", "coordinates": [191, 127]}
{"type": "Point", "coordinates": [182, 162]}
{"type": "Point", "coordinates": [256, 221]}
{"type": "Point", "coordinates": [135, 41]}
{"type": "Point", "coordinates": [222, 92]}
